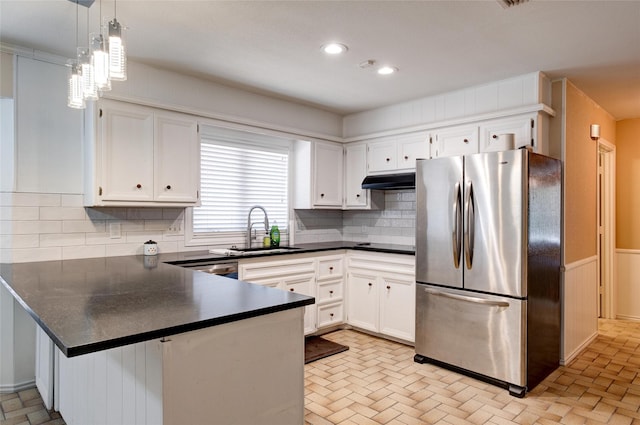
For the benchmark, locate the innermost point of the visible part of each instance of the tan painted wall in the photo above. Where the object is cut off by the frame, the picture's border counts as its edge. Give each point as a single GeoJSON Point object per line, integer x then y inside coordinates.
{"type": "Point", "coordinates": [580, 168]}
{"type": "Point", "coordinates": [628, 184]}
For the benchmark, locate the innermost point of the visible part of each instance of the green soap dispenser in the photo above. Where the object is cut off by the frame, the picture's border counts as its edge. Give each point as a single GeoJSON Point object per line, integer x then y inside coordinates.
{"type": "Point", "coordinates": [275, 234]}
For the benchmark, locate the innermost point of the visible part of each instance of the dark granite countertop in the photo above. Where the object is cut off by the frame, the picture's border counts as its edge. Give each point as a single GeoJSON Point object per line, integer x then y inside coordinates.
{"type": "Point", "coordinates": [197, 256]}
{"type": "Point", "coordinates": [95, 304]}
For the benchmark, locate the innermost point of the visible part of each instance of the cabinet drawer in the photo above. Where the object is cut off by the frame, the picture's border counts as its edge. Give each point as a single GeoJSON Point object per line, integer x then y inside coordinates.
{"type": "Point", "coordinates": [330, 267]}
{"type": "Point", "coordinates": [330, 291]}
{"type": "Point", "coordinates": [330, 314]}
{"type": "Point", "coordinates": [300, 284]}
{"type": "Point", "coordinates": [272, 283]}
{"type": "Point", "coordinates": [275, 268]}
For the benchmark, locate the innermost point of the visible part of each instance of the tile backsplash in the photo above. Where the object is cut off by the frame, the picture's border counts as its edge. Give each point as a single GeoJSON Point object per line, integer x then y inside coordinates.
{"type": "Point", "coordinates": [43, 227]}
{"type": "Point", "coordinates": [395, 224]}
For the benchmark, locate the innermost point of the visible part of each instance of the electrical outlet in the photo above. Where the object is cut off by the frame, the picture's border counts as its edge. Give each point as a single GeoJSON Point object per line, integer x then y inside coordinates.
{"type": "Point", "coordinates": [115, 230]}
{"type": "Point", "coordinates": [174, 228]}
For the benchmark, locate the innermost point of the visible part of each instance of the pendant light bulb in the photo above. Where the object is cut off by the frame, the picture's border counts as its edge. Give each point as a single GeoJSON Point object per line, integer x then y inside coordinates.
{"type": "Point", "coordinates": [75, 97]}
{"type": "Point", "coordinates": [100, 62]}
{"type": "Point", "coordinates": [117, 55]}
{"type": "Point", "coordinates": [89, 90]}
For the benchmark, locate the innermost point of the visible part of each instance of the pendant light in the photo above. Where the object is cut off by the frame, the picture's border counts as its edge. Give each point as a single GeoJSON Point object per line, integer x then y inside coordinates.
{"type": "Point", "coordinates": [117, 55]}
{"type": "Point", "coordinates": [75, 92]}
{"type": "Point", "coordinates": [75, 95]}
{"type": "Point", "coordinates": [100, 62]}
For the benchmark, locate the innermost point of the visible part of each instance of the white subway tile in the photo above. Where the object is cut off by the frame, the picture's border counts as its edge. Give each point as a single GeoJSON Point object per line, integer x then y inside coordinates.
{"type": "Point", "coordinates": [67, 200]}
{"type": "Point", "coordinates": [19, 213]}
{"type": "Point", "coordinates": [20, 241]}
{"type": "Point", "coordinates": [157, 225]}
{"type": "Point", "coordinates": [82, 226]}
{"type": "Point", "coordinates": [107, 213]}
{"type": "Point", "coordinates": [31, 227]}
{"type": "Point", "coordinates": [166, 246]}
{"type": "Point", "coordinates": [142, 237]}
{"type": "Point", "coordinates": [24, 255]}
{"type": "Point", "coordinates": [36, 200]}
{"type": "Point", "coordinates": [133, 226]}
{"type": "Point", "coordinates": [144, 213]}
{"type": "Point", "coordinates": [103, 238]}
{"type": "Point", "coordinates": [173, 213]}
{"type": "Point", "coordinates": [123, 249]}
{"type": "Point", "coordinates": [62, 239]}
{"type": "Point", "coordinates": [62, 213]}
{"type": "Point", "coordinates": [83, 251]}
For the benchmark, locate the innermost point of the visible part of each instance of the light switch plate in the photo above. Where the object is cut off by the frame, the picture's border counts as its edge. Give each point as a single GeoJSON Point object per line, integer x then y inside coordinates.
{"type": "Point", "coordinates": [115, 230]}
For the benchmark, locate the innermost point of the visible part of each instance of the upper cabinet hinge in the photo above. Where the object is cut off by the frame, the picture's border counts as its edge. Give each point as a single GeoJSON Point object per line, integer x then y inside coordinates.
{"type": "Point", "coordinates": [99, 190]}
{"type": "Point", "coordinates": [100, 113]}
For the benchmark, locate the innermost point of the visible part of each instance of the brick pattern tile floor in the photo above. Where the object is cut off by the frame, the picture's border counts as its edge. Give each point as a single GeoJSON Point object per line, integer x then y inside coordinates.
{"type": "Point", "coordinates": [377, 382]}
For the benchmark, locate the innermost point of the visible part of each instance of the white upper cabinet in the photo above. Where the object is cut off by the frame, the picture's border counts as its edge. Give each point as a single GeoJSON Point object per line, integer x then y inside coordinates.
{"type": "Point", "coordinates": [522, 129]}
{"type": "Point", "coordinates": [452, 141]}
{"type": "Point", "coordinates": [355, 170]}
{"type": "Point", "coordinates": [327, 175]}
{"type": "Point", "coordinates": [177, 159]}
{"type": "Point", "coordinates": [397, 153]}
{"type": "Point", "coordinates": [141, 156]}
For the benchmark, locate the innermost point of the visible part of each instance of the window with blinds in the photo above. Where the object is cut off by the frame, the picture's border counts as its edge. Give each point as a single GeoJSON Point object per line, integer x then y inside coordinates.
{"type": "Point", "coordinates": [239, 170]}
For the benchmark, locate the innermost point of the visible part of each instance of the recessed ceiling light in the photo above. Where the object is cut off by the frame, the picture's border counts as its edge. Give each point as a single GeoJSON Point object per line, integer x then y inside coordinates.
{"type": "Point", "coordinates": [387, 70]}
{"type": "Point", "coordinates": [334, 48]}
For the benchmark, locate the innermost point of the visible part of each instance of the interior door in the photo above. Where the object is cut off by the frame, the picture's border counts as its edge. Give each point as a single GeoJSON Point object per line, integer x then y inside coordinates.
{"type": "Point", "coordinates": [494, 237]}
{"type": "Point", "coordinates": [439, 221]}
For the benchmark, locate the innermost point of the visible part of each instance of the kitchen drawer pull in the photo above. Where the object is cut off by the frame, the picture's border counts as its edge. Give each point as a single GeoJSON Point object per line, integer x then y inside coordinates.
{"type": "Point", "coordinates": [331, 314]}
{"type": "Point", "coordinates": [322, 195]}
{"type": "Point", "coordinates": [168, 187]}
{"type": "Point", "coordinates": [466, 140]}
{"type": "Point", "coordinates": [331, 268]}
{"type": "Point", "coordinates": [468, 299]}
{"type": "Point", "coordinates": [358, 195]}
{"type": "Point", "coordinates": [406, 157]}
{"type": "Point", "coordinates": [387, 159]}
{"type": "Point", "coordinates": [139, 186]}
{"type": "Point", "coordinates": [330, 292]}
{"type": "Point", "coordinates": [388, 287]}
{"type": "Point", "coordinates": [291, 289]}
{"type": "Point", "coordinates": [370, 284]}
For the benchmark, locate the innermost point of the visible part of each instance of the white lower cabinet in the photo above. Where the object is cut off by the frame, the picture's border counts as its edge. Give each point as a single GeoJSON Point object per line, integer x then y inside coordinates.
{"type": "Point", "coordinates": [295, 275]}
{"type": "Point", "coordinates": [381, 294]}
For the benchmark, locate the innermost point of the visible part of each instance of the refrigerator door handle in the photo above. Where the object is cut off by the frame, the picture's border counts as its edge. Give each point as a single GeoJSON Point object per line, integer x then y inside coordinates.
{"type": "Point", "coordinates": [469, 230]}
{"type": "Point", "coordinates": [457, 223]}
{"type": "Point", "coordinates": [468, 299]}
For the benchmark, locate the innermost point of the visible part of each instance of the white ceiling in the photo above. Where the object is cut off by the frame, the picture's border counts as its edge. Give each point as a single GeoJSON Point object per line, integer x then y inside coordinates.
{"type": "Point", "coordinates": [273, 47]}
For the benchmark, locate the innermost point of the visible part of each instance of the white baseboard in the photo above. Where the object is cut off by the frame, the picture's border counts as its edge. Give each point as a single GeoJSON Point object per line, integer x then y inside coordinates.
{"type": "Point", "coordinates": [8, 388]}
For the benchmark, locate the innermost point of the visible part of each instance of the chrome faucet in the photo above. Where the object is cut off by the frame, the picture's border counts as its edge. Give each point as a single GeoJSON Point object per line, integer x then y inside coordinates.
{"type": "Point", "coordinates": [250, 225]}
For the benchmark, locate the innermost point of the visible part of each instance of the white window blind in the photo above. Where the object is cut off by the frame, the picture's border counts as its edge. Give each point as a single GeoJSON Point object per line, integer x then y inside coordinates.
{"type": "Point", "coordinates": [240, 170]}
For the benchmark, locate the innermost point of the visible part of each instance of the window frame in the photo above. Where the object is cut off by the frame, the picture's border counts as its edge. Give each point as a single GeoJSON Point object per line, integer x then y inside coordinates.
{"type": "Point", "coordinates": [247, 136]}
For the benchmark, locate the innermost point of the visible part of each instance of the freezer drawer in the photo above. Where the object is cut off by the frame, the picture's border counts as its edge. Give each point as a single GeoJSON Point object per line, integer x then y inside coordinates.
{"type": "Point", "coordinates": [481, 333]}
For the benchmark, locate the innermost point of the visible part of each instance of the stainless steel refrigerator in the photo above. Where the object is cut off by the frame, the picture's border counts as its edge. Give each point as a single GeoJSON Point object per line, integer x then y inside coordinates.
{"type": "Point", "coordinates": [488, 236]}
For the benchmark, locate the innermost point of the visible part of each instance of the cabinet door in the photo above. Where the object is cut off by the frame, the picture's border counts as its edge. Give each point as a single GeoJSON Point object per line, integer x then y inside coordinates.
{"type": "Point", "coordinates": [455, 141]}
{"type": "Point", "coordinates": [355, 172]}
{"type": "Point", "coordinates": [328, 166]}
{"type": "Point", "coordinates": [521, 128]}
{"type": "Point", "coordinates": [362, 295]}
{"type": "Point", "coordinates": [126, 147]}
{"type": "Point", "coordinates": [304, 285]}
{"type": "Point", "coordinates": [382, 156]}
{"type": "Point", "coordinates": [397, 308]}
{"type": "Point", "coordinates": [177, 158]}
{"type": "Point", "coordinates": [412, 149]}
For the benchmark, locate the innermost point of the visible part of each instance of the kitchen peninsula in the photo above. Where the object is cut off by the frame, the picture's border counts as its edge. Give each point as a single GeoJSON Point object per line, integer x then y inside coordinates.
{"type": "Point", "coordinates": [141, 341]}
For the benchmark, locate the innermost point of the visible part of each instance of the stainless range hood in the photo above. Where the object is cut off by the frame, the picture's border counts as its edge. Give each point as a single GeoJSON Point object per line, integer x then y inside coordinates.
{"type": "Point", "coordinates": [390, 181]}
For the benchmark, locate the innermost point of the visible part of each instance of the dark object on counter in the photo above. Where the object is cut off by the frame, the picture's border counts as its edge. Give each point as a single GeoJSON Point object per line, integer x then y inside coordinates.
{"type": "Point", "coordinates": [316, 348]}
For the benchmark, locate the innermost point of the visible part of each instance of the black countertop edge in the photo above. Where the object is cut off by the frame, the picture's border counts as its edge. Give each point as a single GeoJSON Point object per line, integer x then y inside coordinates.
{"type": "Point", "coordinates": [174, 330]}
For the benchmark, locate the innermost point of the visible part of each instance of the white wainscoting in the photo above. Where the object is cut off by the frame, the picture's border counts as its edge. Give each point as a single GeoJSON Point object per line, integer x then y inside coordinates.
{"type": "Point", "coordinates": [580, 307]}
{"type": "Point", "coordinates": [628, 284]}
{"type": "Point", "coordinates": [118, 386]}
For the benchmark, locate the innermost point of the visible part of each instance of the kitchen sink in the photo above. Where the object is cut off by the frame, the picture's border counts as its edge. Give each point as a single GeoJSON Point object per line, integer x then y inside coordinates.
{"type": "Point", "coordinates": [263, 250]}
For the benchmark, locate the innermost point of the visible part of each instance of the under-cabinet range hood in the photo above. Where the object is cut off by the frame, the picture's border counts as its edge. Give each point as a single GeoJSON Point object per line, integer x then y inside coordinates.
{"type": "Point", "coordinates": [390, 181]}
